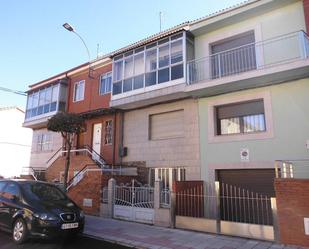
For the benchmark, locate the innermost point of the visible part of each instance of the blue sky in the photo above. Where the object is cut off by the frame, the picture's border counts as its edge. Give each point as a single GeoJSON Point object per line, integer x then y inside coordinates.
{"type": "Point", "coordinates": [35, 46]}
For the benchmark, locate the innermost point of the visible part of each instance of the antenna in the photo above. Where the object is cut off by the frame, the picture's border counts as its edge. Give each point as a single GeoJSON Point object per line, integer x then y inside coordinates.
{"type": "Point", "coordinates": [98, 49]}
{"type": "Point", "coordinates": [160, 17]}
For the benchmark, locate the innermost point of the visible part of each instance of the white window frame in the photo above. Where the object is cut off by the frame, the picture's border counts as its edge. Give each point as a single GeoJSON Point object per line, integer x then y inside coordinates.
{"type": "Point", "coordinates": [42, 141]}
{"type": "Point", "coordinates": [76, 84]}
{"type": "Point", "coordinates": [121, 59]}
{"type": "Point", "coordinates": [102, 77]}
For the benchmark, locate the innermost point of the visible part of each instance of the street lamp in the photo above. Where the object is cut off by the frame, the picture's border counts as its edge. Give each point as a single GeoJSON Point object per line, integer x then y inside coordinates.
{"type": "Point", "coordinates": [68, 27]}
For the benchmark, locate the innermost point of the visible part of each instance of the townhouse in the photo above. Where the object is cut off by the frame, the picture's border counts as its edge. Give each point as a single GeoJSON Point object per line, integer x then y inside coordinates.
{"type": "Point", "coordinates": [218, 98]}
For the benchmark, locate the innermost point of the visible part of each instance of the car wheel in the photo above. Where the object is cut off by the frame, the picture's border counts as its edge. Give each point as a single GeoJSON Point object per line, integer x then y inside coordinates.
{"type": "Point", "coordinates": [19, 231]}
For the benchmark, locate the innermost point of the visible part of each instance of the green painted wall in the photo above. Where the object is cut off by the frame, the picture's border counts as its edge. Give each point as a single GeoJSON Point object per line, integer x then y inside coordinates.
{"type": "Point", "coordinates": [268, 25]}
{"type": "Point", "coordinates": [290, 109]}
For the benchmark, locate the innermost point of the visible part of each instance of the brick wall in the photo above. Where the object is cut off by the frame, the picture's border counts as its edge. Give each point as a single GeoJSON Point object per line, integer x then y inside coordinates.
{"type": "Point", "coordinates": [293, 206]}
{"type": "Point", "coordinates": [77, 163]}
{"type": "Point", "coordinates": [88, 188]}
{"type": "Point", "coordinates": [92, 99]}
{"type": "Point", "coordinates": [306, 12]}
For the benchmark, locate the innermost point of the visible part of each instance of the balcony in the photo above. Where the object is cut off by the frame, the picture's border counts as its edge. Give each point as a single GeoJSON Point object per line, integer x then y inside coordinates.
{"type": "Point", "coordinates": [44, 103]}
{"type": "Point", "coordinates": [152, 73]}
{"type": "Point", "coordinates": [256, 64]}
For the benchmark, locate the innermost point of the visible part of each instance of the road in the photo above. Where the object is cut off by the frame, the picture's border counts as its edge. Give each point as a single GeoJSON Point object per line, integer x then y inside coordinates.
{"type": "Point", "coordinates": [6, 242]}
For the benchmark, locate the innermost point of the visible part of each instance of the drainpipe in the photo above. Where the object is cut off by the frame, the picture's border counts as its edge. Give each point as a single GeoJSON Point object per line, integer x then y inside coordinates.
{"type": "Point", "coordinates": [114, 139]}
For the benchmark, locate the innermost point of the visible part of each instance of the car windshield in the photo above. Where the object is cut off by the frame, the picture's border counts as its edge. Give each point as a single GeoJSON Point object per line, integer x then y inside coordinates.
{"type": "Point", "coordinates": [43, 192]}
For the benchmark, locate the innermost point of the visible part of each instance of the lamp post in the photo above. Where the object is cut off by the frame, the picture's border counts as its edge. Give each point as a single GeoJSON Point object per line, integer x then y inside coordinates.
{"type": "Point", "coordinates": [68, 27]}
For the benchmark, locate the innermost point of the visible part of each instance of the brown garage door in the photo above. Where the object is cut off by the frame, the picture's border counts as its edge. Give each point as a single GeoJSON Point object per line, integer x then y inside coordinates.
{"type": "Point", "coordinates": [256, 180]}
{"type": "Point", "coordinates": [245, 195]}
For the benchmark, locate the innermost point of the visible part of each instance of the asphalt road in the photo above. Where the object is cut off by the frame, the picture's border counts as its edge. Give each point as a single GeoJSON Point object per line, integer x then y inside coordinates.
{"type": "Point", "coordinates": [6, 242]}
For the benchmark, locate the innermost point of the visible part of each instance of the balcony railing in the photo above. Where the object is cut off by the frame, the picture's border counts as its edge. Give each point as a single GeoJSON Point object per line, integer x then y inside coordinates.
{"type": "Point", "coordinates": [253, 56]}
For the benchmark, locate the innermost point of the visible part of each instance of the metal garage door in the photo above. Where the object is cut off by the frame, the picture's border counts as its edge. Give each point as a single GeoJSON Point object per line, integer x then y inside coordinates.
{"type": "Point", "coordinates": [256, 180]}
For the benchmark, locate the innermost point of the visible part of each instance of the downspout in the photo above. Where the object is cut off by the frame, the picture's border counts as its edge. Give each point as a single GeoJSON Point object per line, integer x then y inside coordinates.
{"type": "Point", "coordinates": [114, 139]}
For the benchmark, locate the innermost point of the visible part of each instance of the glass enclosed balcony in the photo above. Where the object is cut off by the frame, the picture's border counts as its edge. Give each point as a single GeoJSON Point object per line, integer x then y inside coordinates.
{"type": "Point", "coordinates": [151, 66]}
{"type": "Point", "coordinates": [46, 101]}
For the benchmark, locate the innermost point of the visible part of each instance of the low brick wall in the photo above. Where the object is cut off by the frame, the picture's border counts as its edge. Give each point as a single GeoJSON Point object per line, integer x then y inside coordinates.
{"type": "Point", "coordinates": [77, 163]}
{"type": "Point", "coordinates": [88, 188]}
{"type": "Point", "coordinates": [293, 206]}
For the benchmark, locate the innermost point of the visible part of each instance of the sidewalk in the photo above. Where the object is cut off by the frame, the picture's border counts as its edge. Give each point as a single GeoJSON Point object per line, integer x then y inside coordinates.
{"type": "Point", "coordinates": [147, 236]}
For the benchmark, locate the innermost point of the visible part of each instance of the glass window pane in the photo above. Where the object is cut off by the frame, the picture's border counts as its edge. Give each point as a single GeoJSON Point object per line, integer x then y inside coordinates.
{"type": "Point", "coordinates": [40, 110]}
{"type": "Point", "coordinates": [108, 82]}
{"type": "Point", "coordinates": [48, 95]}
{"type": "Point", "coordinates": [254, 123]}
{"type": "Point", "coordinates": [117, 88]}
{"type": "Point", "coordinates": [151, 78]}
{"type": "Point", "coordinates": [177, 72]}
{"type": "Point", "coordinates": [139, 64]}
{"type": "Point", "coordinates": [55, 93]}
{"type": "Point", "coordinates": [118, 66]}
{"type": "Point", "coordinates": [42, 99]}
{"type": "Point", "coordinates": [127, 85]}
{"type": "Point", "coordinates": [53, 106]}
{"type": "Point", "coordinates": [176, 52]}
{"type": "Point", "coordinates": [128, 67]}
{"type": "Point", "coordinates": [35, 99]}
{"type": "Point", "coordinates": [164, 75]}
{"type": "Point", "coordinates": [29, 102]}
{"type": "Point", "coordinates": [151, 60]}
{"type": "Point", "coordinates": [230, 125]}
{"type": "Point", "coordinates": [46, 108]}
{"type": "Point", "coordinates": [138, 82]}
{"type": "Point", "coordinates": [164, 56]}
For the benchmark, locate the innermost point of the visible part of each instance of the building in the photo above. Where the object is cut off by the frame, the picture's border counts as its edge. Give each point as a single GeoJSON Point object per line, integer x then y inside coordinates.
{"type": "Point", "coordinates": [218, 98]}
{"type": "Point", "coordinates": [14, 140]}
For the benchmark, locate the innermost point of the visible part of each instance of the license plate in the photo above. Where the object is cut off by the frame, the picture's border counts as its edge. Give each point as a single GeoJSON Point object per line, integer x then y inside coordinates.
{"type": "Point", "coordinates": [69, 225]}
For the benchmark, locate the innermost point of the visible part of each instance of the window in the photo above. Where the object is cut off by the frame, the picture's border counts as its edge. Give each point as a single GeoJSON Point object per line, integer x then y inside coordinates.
{"type": "Point", "coordinates": [11, 190]}
{"type": "Point", "coordinates": [246, 117]}
{"type": "Point", "coordinates": [152, 64]}
{"type": "Point", "coordinates": [166, 125]}
{"type": "Point", "coordinates": [234, 55]}
{"type": "Point", "coordinates": [105, 83]}
{"type": "Point", "coordinates": [46, 100]}
{"type": "Point", "coordinates": [44, 142]}
{"type": "Point", "coordinates": [2, 184]}
{"type": "Point", "coordinates": [108, 135]}
{"type": "Point", "coordinates": [79, 89]}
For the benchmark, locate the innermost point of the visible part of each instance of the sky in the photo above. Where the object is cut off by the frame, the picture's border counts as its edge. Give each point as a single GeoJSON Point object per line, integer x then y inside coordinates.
{"type": "Point", "coordinates": [35, 46]}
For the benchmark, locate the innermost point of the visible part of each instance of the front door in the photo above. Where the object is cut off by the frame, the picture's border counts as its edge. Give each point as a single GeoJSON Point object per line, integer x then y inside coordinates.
{"type": "Point", "coordinates": [96, 140]}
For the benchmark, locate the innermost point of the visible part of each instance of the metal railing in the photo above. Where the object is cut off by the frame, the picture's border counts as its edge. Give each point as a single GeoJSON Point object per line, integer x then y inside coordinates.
{"type": "Point", "coordinates": [141, 197]}
{"type": "Point", "coordinates": [36, 172]}
{"type": "Point", "coordinates": [165, 198]}
{"type": "Point", "coordinates": [84, 149]}
{"type": "Point", "coordinates": [220, 201]}
{"type": "Point", "coordinates": [253, 56]}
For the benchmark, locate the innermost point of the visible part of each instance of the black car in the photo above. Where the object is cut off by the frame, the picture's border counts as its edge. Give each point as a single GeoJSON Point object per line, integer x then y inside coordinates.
{"type": "Point", "coordinates": [37, 209]}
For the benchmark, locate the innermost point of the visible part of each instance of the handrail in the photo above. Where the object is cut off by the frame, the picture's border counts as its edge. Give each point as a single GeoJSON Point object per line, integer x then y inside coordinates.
{"type": "Point", "coordinates": [71, 181]}
{"type": "Point", "coordinates": [93, 151]}
{"type": "Point", "coordinates": [54, 155]}
{"type": "Point", "coordinates": [291, 34]}
{"type": "Point", "coordinates": [85, 148]}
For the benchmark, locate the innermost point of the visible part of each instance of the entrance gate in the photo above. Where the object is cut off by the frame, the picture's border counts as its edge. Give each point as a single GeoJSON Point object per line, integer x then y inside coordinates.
{"type": "Point", "coordinates": [134, 203]}
{"type": "Point", "coordinates": [224, 209]}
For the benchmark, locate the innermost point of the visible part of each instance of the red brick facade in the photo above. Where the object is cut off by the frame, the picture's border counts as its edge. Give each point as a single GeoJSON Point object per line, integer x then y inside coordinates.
{"type": "Point", "coordinates": [293, 206]}
{"type": "Point", "coordinates": [77, 163]}
{"type": "Point", "coordinates": [92, 99]}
